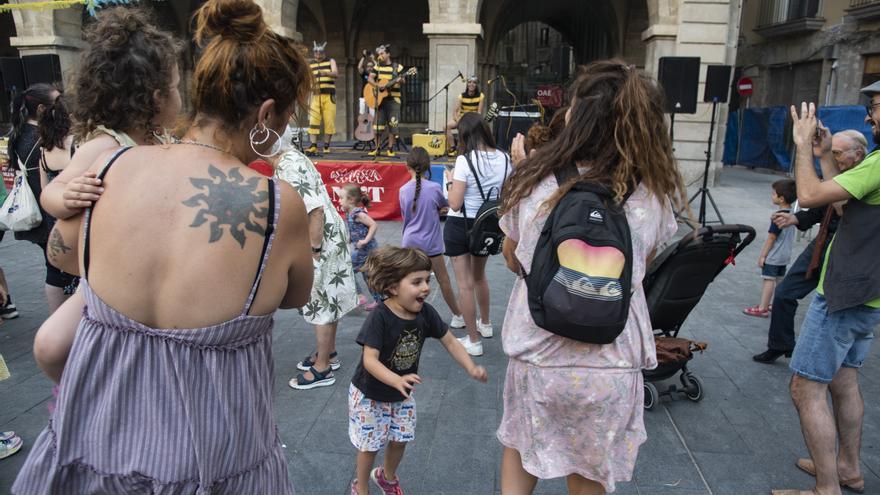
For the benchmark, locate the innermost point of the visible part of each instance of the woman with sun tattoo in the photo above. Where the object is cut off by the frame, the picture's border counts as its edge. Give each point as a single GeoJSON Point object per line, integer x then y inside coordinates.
{"type": "Point", "coordinates": [169, 379]}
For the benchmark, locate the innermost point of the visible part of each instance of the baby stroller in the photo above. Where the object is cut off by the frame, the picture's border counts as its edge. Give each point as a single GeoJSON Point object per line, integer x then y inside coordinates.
{"type": "Point", "coordinates": [674, 284]}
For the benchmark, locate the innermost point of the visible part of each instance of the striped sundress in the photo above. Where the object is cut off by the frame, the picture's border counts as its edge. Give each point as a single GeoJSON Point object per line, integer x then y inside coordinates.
{"type": "Point", "coordinates": [148, 411]}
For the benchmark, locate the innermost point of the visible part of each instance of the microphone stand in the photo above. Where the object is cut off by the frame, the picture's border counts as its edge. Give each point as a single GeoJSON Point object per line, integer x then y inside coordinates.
{"type": "Point", "coordinates": [445, 91]}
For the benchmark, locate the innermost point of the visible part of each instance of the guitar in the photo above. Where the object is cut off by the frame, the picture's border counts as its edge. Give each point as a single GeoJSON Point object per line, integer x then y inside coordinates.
{"type": "Point", "coordinates": [373, 95]}
{"type": "Point", "coordinates": [364, 130]}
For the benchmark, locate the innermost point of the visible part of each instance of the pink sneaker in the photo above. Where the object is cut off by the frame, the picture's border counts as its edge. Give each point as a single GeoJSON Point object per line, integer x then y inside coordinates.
{"type": "Point", "coordinates": [388, 487]}
{"type": "Point", "coordinates": [354, 488]}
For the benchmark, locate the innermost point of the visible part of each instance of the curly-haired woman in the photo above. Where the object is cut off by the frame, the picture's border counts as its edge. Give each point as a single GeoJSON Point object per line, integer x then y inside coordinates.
{"type": "Point", "coordinates": [168, 385]}
{"type": "Point", "coordinates": [125, 93]}
{"type": "Point", "coordinates": [573, 409]}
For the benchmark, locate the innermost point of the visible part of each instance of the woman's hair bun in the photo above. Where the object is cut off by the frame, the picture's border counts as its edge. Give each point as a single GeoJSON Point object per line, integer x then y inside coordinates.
{"type": "Point", "coordinates": [241, 20]}
{"type": "Point", "coordinates": [119, 25]}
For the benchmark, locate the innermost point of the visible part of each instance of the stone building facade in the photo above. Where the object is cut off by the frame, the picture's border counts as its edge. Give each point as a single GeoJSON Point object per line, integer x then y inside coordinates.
{"type": "Point", "coordinates": [809, 50]}
{"type": "Point", "coordinates": [452, 36]}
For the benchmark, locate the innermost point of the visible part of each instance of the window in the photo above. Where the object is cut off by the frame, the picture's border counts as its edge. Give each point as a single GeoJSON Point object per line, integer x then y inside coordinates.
{"type": "Point", "coordinates": [872, 70]}
{"type": "Point", "coordinates": [545, 36]}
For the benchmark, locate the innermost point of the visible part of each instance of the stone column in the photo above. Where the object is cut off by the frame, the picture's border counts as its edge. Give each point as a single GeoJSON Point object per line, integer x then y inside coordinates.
{"type": "Point", "coordinates": [280, 15]}
{"type": "Point", "coordinates": [452, 49]}
{"type": "Point", "coordinates": [705, 29]}
{"type": "Point", "coordinates": [41, 32]}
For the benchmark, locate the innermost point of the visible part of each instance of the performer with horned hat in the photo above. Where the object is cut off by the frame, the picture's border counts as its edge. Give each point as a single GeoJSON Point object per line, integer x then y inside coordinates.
{"type": "Point", "coordinates": [323, 104]}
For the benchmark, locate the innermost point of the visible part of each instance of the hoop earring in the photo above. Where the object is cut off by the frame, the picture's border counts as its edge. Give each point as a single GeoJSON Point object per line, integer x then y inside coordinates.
{"type": "Point", "coordinates": [259, 129]}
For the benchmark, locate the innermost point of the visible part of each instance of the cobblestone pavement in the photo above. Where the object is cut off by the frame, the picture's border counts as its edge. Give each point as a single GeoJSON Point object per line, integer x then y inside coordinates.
{"type": "Point", "coordinates": [743, 438]}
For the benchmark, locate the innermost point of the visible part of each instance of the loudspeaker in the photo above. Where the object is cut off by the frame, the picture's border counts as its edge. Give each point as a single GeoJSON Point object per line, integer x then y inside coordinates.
{"type": "Point", "coordinates": [507, 124]}
{"type": "Point", "coordinates": [717, 83]}
{"type": "Point", "coordinates": [42, 69]}
{"type": "Point", "coordinates": [12, 73]}
{"type": "Point", "coordinates": [561, 61]}
{"type": "Point", "coordinates": [680, 78]}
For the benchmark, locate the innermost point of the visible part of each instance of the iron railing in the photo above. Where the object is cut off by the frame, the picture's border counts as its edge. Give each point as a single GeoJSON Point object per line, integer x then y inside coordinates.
{"type": "Point", "coordinates": [414, 107]}
{"type": "Point", "coordinates": [780, 11]}
{"type": "Point", "coordinates": [854, 4]}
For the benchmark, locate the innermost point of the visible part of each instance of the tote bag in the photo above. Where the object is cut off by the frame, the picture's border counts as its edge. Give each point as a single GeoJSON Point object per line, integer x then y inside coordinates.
{"type": "Point", "coordinates": [20, 211]}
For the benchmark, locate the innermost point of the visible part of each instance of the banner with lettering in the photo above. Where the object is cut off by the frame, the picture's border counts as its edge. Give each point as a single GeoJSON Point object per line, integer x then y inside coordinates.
{"type": "Point", "coordinates": [380, 181]}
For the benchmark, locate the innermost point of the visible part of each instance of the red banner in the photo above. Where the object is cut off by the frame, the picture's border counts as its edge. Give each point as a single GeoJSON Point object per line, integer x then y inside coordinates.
{"type": "Point", "coordinates": [551, 95]}
{"type": "Point", "coordinates": [380, 181]}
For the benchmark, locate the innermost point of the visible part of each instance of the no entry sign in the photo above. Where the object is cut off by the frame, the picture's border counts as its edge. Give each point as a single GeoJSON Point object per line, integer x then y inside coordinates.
{"type": "Point", "coordinates": [744, 86]}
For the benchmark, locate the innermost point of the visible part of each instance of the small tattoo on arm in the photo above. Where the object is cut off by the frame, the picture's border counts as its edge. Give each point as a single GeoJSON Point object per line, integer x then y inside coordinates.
{"type": "Point", "coordinates": [56, 245]}
{"type": "Point", "coordinates": [230, 201]}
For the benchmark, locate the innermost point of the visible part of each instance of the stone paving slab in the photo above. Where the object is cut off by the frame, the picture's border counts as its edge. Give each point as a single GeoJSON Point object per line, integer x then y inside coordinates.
{"type": "Point", "coordinates": [743, 438]}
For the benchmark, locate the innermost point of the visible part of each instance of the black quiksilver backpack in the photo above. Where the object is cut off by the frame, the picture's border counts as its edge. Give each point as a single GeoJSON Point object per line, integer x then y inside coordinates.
{"type": "Point", "coordinates": [485, 235]}
{"type": "Point", "coordinates": [580, 282]}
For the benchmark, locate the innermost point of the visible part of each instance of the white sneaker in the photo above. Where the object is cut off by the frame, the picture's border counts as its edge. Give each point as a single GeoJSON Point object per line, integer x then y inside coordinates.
{"type": "Point", "coordinates": [472, 348]}
{"type": "Point", "coordinates": [485, 329]}
{"type": "Point", "coordinates": [457, 321]}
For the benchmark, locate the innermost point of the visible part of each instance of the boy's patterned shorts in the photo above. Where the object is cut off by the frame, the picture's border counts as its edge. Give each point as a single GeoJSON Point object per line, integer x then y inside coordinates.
{"type": "Point", "coordinates": [371, 423]}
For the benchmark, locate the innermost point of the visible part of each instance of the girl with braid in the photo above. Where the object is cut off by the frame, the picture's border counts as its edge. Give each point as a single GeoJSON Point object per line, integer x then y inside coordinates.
{"type": "Point", "coordinates": [422, 202]}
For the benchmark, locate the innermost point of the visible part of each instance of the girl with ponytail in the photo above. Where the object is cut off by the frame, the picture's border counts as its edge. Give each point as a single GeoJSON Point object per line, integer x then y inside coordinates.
{"type": "Point", "coordinates": [616, 135]}
{"type": "Point", "coordinates": [25, 149]}
{"type": "Point", "coordinates": [186, 257]}
{"type": "Point", "coordinates": [422, 202]}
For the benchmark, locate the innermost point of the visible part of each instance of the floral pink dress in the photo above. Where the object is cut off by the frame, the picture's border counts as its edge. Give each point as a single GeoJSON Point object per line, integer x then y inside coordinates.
{"type": "Point", "coordinates": [570, 407]}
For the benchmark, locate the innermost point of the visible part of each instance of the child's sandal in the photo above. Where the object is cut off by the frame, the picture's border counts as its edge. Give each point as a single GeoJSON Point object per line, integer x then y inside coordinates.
{"type": "Point", "coordinates": [756, 311]}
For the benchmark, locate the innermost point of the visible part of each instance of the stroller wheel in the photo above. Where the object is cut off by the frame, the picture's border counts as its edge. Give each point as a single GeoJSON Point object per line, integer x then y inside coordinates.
{"type": "Point", "coordinates": [693, 386]}
{"type": "Point", "coordinates": [652, 396]}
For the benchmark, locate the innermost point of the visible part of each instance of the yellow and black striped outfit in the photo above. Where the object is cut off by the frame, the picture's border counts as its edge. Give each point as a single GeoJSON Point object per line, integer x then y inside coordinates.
{"type": "Point", "coordinates": [470, 103]}
{"type": "Point", "coordinates": [323, 105]}
{"type": "Point", "coordinates": [389, 111]}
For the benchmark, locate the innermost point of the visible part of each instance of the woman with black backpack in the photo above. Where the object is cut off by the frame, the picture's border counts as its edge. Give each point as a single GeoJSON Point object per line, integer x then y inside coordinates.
{"type": "Point", "coordinates": [471, 232]}
{"type": "Point", "coordinates": [573, 404]}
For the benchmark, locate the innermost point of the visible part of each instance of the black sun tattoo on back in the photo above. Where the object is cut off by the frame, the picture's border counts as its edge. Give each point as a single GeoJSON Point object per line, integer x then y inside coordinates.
{"type": "Point", "coordinates": [230, 201]}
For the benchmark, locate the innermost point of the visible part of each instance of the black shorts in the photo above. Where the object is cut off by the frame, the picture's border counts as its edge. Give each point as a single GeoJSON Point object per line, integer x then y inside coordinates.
{"type": "Point", "coordinates": [57, 278]}
{"type": "Point", "coordinates": [388, 114]}
{"type": "Point", "coordinates": [455, 238]}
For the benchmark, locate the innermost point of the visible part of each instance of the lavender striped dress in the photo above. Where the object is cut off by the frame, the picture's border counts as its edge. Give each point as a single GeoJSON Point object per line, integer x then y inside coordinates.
{"type": "Point", "coordinates": [153, 411]}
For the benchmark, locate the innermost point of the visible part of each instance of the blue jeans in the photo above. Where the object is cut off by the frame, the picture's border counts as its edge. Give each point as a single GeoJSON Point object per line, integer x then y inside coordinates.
{"type": "Point", "coordinates": [831, 340]}
{"type": "Point", "coordinates": [785, 299]}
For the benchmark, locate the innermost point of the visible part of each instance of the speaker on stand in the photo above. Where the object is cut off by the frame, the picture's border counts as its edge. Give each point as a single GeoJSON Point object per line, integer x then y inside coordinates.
{"type": "Point", "coordinates": [13, 82]}
{"type": "Point", "coordinates": [42, 69]}
{"type": "Point", "coordinates": [717, 91]}
{"type": "Point", "coordinates": [679, 77]}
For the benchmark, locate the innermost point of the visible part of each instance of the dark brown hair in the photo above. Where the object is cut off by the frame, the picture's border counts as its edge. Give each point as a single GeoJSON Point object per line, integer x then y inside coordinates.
{"type": "Point", "coordinates": [420, 162]}
{"type": "Point", "coordinates": [386, 266]}
{"type": "Point", "coordinates": [24, 107]}
{"type": "Point", "coordinates": [244, 63]}
{"type": "Point", "coordinates": [54, 124]}
{"type": "Point", "coordinates": [354, 191]}
{"type": "Point", "coordinates": [474, 132]}
{"type": "Point", "coordinates": [618, 128]}
{"type": "Point", "coordinates": [786, 189]}
{"type": "Point", "coordinates": [557, 123]}
{"type": "Point", "coordinates": [127, 60]}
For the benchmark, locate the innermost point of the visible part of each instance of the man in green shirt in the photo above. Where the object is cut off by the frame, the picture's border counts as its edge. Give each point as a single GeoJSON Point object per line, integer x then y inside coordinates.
{"type": "Point", "coordinates": [839, 327]}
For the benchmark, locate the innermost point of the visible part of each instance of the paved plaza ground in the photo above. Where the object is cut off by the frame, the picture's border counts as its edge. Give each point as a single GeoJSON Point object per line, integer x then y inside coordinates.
{"type": "Point", "coordinates": [743, 438]}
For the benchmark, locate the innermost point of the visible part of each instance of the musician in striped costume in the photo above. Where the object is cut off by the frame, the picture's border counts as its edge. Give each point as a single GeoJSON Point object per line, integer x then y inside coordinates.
{"type": "Point", "coordinates": [387, 74]}
{"type": "Point", "coordinates": [323, 104]}
{"type": "Point", "coordinates": [472, 100]}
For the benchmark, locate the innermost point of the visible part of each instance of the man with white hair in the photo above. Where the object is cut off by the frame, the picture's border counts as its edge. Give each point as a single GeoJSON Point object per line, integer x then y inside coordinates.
{"type": "Point", "coordinates": [843, 151]}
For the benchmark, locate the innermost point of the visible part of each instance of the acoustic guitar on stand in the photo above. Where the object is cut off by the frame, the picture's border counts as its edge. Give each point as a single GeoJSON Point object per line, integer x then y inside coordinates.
{"type": "Point", "coordinates": [373, 95]}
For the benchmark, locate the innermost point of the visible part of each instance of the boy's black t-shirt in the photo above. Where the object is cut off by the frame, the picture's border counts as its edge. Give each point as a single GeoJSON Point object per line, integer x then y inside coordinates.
{"type": "Point", "coordinates": [400, 344]}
